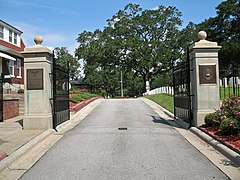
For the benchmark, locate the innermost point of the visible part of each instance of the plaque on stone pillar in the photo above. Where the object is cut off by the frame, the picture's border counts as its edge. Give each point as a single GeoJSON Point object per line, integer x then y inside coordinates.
{"type": "Point", "coordinates": [34, 79]}
{"type": "Point", "coordinates": [207, 74]}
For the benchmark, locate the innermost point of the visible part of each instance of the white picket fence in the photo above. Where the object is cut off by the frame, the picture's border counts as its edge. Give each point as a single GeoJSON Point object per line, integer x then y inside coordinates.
{"type": "Point", "coordinates": [166, 89]}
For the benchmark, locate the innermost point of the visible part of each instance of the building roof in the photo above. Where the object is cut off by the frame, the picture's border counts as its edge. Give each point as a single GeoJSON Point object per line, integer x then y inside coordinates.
{"type": "Point", "coordinates": [10, 26]}
{"type": "Point", "coordinates": [10, 51]}
{"type": "Point", "coordinates": [78, 82]}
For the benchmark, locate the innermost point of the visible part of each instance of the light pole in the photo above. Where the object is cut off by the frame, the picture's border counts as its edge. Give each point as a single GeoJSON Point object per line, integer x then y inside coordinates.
{"type": "Point", "coordinates": [121, 84]}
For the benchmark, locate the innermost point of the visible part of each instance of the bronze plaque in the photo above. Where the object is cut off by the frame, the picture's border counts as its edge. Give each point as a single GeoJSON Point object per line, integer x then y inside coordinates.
{"type": "Point", "coordinates": [207, 74]}
{"type": "Point", "coordinates": [34, 79]}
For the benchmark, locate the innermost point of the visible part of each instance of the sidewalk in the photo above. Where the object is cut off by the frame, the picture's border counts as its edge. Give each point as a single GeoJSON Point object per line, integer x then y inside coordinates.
{"type": "Point", "coordinates": [12, 136]}
{"type": "Point", "coordinates": [15, 142]}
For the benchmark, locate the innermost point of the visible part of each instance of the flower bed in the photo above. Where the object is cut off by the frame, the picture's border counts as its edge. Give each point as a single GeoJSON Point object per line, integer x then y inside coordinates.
{"type": "Point", "coordinates": [232, 141]}
{"type": "Point", "coordinates": [224, 124]}
{"type": "Point", "coordinates": [75, 107]}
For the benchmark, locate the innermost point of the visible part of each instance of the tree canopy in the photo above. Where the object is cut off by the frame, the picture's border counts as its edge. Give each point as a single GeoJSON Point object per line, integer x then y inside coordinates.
{"type": "Point", "coordinates": [143, 42]}
{"type": "Point", "coordinates": [225, 29]}
{"type": "Point", "coordinates": [63, 57]}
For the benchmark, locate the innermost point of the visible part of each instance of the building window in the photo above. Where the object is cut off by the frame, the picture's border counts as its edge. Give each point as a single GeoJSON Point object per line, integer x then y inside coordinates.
{"type": "Point", "coordinates": [1, 32]}
{"type": "Point", "coordinates": [11, 67]}
{"type": "Point", "coordinates": [10, 36]}
{"type": "Point", "coordinates": [18, 68]}
{"type": "Point", "coordinates": [15, 38]}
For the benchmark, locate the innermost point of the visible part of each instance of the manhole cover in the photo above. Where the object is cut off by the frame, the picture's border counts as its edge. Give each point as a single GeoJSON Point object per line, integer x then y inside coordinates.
{"type": "Point", "coordinates": [122, 128]}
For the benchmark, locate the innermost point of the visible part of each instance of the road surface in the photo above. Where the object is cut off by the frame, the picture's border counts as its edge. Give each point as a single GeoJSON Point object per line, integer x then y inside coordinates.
{"type": "Point", "coordinates": [123, 139]}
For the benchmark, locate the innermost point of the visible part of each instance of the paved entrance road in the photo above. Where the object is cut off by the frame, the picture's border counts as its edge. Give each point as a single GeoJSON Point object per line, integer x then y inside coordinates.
{"type": "Point", "coordinates": [148, 149]}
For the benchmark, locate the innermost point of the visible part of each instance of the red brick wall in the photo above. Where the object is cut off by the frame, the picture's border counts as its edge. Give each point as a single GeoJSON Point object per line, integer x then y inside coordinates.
{"type": "Point", "coordinates": [10, 108]}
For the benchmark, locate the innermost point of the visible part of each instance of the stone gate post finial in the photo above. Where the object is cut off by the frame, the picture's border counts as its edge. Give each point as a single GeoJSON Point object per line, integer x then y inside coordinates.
{"type": "Point", "coordinates": [202, 35]}
{"type": "Point", "coordinates": [38, 40]}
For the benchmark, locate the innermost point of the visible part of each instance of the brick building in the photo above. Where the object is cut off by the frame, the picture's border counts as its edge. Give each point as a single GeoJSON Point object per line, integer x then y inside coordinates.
{"type": "Point", "coordinates": [12, 67]}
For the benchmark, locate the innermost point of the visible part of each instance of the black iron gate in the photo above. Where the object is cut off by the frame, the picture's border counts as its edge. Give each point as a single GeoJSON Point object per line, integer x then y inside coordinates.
{"type": "Point", "coordinates": [61, 112]}
{"type": "Point", "coordinates": [1, 97]}
{"type": "Point", "coordinates": [182, 94]}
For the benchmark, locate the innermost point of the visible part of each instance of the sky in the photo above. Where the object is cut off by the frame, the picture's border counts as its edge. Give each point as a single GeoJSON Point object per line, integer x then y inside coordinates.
{"type": "Point", "coordinates": [60, 21]}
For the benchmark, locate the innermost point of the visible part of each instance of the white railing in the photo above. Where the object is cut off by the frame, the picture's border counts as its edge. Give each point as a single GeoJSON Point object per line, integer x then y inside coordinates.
{"type": "Point", "coordinates": [166, 89]}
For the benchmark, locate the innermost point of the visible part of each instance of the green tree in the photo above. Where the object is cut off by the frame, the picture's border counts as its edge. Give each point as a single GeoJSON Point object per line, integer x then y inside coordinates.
{"type": "Point", "coordinates": [140, 43]}
{"type": "Point", "coordinates": [225, 29]}
{"type": "Point", "coordinates": [146, 39]}
{"type": "Point", "coordinates": [104, 78]}
{"type": "Point", "coordinates": [63, 57]}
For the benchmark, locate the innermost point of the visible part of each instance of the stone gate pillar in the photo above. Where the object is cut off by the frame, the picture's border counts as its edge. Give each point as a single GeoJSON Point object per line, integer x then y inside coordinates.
{"type": "Point", "coordinates": [204, 78]}
{"type": "Point", "coordinates": [37, 86]}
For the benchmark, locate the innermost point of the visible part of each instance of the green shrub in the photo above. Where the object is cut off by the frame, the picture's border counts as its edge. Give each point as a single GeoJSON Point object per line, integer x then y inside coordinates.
{"type": "Point", "coordinates": [81, 97]}
{"type": "Point", "coordinates": [213, 119]}
{"type": "Point", "coordinates": [74, 100]}
{"type": "Point", "coordinates": [231, 107]}
{"type": "Point", "coordinates": [20, 90]}
{"type": "Point", "coordinates": [230, 126]}
{"type": "Point", "coordinates": [74, 92]}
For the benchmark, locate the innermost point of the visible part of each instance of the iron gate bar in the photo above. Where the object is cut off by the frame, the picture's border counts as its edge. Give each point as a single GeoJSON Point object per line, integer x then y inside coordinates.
{"type": "Point", "coordinates": [61, 110]}
{"type": "Point", "coordinates": [182, 91]}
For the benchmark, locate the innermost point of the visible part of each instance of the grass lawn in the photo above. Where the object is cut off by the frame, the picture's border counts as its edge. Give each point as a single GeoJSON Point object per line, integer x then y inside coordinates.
{"type": "Point", "coordinates": [226, 92]}
{"type": "Point", "coordinates": [164, 100]}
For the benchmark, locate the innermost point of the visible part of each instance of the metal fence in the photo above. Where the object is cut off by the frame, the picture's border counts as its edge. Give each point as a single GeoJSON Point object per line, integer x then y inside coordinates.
{"type": "Point", "coordinates": [181, 85]}
{"type": "Point", "coordinates": [61, 112]}
{"type": "Point", "coordinates": [230, 81]}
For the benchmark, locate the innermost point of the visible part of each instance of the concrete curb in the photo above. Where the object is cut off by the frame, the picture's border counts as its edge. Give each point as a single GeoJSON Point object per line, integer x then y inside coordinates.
{"type": "Point", "coordinates": [232, 155]}
{"type": "Point", "coordinates": [6, 162]}
{"type": "Point", "coordinates": [227, 152]}
{"type": "Point", "coordinates": [179, 121]}
{"type": "Point", "coordinates": [78, 117]}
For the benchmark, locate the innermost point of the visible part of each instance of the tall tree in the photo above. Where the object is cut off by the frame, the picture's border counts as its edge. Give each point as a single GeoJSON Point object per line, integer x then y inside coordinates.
{"type": "Point", "coordinates": [147, 39]}
{"type": "Point", "coordinates": [63, 57]}
{"type": "Point", "coordinates": [140, 41]}
{"type": "Point", "coordinates": [225, 29]}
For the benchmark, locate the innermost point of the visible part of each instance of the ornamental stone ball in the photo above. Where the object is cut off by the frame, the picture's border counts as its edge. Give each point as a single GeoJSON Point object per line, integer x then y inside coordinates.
{"type": "Point", "coordinates": [202, 35]}
{"type": "Point", "coordinates": [38, 40]}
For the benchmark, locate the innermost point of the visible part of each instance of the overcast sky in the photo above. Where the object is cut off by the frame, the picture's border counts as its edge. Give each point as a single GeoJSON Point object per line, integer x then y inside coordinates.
{"type": "Point", "coordinates": [60, 21]}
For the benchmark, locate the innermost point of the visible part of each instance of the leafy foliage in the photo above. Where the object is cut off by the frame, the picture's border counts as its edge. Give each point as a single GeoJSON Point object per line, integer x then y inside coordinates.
{"type": "Point", "coordinates": [224, 29]}
{"type": "Point", "coordinates": [231, 108]}
{"type": "Point", "coordinates": [212, 119]}
{"type": "Point", "coordinates": [228, 117]}
{"type": "Point", "coordinates": [230, 126]}
{"type": "Point", "coordinates": [63, 57]}
{"type": "Point", "coordinates": [136, 41]}
{"type": "Point", "coordinates": [144, 43]}
{"type": "Point", "coordinates": [81, 97]}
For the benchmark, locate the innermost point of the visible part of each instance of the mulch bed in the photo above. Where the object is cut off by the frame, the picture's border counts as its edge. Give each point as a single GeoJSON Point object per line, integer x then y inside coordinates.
{"type": "Point", "coordinates": [75, 107]}
{"type": "Point", "coordinates": [232, 141]}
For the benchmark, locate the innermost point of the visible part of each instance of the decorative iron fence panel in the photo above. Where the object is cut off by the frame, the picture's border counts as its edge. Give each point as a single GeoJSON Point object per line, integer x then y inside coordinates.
{"type": "Point", "coordinates": [230, 81]}
{"type": "Point", "coordinates": [61, 111]}
{"type": "Point", "coordinates": [181, 86]}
